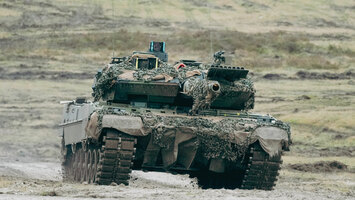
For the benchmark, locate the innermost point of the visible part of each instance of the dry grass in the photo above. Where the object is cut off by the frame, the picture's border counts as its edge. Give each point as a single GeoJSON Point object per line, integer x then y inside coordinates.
{"type": "Point", "coordinates": [61, 29]}
{"type": "Point", "coordinates": [232, 14]}
{"type": "Point", "coordinates": [311, 62]}
{"type": "Point", "coordinates": [289, 159]}
{"type": "Point", "coordinates": [263, 50]}
{"type": "Point", "coordinates": [4, 182]}
{"type": "Point", "coordinates": [30, 112]}
{"type": "Point", "coordinates": [334, 182]}
{"type": "Point", "coordinates": [321, 125]}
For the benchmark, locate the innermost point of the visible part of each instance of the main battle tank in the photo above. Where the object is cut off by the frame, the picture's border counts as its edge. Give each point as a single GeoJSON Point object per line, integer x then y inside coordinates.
{"type": "Point", "coordinates": [189, 118]}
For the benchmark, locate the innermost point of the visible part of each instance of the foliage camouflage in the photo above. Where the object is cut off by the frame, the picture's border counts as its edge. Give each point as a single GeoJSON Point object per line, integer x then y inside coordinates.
{"type": "Point", "coordinates": [105, 79]}
{"type": "Point", "coordinates": [213, 138]}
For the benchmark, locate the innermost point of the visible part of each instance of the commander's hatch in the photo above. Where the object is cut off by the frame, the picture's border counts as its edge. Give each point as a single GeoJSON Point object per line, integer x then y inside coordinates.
{"type": "Point", "coordinates": [143, 61]}
{"type": "Point", "coordinates": [149, 63]}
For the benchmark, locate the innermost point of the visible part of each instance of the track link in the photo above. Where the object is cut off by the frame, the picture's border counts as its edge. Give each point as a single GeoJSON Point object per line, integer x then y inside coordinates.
{"type": "Point", "coordinates": [259, 171]}
{"type": "Point", "coordinates": [116, 157]}
{"type": "Point", "coordinates": [262, 171]}
{"type": "Point", "coordinates": [126, 153]}
{"type": "Point", "coordinates": [112, 162]}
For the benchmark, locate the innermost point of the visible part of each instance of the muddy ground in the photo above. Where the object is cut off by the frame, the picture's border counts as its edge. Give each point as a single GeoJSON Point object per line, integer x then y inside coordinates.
{"type": "Point", "coordinates": [42, 180]}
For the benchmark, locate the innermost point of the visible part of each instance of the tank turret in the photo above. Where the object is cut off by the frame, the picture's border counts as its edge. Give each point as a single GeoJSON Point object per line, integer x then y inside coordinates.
{"type": "Point", "coordinates": [145, 78]}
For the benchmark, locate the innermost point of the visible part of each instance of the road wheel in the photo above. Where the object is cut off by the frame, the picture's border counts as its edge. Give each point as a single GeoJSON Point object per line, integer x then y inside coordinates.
{"type": "Point", "coordinates": [84, 165]}
{"type": "Point", "coordinates": [96, 159]}
{"type": "Point", "coordinates": [79, 162]}
{"type": "Point", "coordinates": [89, 166]}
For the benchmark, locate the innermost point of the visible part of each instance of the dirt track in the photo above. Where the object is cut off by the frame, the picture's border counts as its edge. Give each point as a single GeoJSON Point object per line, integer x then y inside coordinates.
{"type": "Point", "coordinates": [42, 180]}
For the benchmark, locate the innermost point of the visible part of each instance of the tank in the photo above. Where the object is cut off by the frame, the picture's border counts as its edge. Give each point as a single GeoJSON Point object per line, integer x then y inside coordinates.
{"type": "Point", "coordinates": [188, 117]}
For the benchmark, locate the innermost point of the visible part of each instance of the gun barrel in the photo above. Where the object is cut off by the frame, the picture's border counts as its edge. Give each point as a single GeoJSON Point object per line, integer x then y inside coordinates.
{"type": "Point", "coordinates": [199, 85]}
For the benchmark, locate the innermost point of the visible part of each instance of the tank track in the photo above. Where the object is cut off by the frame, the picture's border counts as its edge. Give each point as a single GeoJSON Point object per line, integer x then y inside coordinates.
{"type": "Point", "coordinates": [112, 162]}
{"type": "Point", "coordinates": [262, 171]}
{"type": "Point", "coordinates": [259, 171]}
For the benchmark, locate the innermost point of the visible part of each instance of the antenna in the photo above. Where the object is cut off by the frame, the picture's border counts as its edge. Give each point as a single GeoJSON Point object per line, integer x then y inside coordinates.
{"type": "Point", "coordinates": [150, 17]}
{"type": "Point", "coordinates": [210, 29]}
{"type": "Point", "coordinates": [113, 35]}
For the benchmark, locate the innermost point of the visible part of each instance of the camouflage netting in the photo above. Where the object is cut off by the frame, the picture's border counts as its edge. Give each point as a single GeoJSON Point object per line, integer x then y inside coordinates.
{"type": "Point", "coordinates": [243, 85]}
{"type": "Point", "coordinates": [226, 138]}
{"type": "Point", "coordinates": [202, 97]}
{"type": "Point", "coordinates": [215, 139]}
{"type": "Point", "coordinates": [105, 80]}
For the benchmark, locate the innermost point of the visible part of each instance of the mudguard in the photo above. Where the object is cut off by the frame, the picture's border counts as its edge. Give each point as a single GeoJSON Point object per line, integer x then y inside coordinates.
{"type": "Point", "coordinates": [271, 139]}
{"type": "Point", "coordinates": [126, 124]}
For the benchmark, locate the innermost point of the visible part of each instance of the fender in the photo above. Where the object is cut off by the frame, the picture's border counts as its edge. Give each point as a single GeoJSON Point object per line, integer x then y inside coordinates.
{"type": "Point", "coordinates": [272, 139]}
{"type": "Point", "coordinates": [126, 124]}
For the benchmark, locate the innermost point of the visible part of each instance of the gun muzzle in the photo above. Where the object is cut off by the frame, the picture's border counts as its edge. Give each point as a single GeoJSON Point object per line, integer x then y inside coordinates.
{"type": "Point", "coordinates": [194, 85]}
{"type": "Point", "coordinates": [214, 87]}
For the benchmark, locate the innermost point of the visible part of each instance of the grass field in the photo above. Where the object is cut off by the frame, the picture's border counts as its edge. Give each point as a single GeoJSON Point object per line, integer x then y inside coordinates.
{"type": "Point", "coordinates": [49, 50]}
